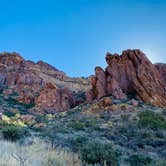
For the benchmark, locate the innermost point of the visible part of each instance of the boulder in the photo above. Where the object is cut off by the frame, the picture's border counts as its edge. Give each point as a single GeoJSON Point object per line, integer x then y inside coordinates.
{"type": "Point", "coordinates": [134, 102]}
{"type": "Point", "coordinates": [105, 102]}
{"type": "Point", "coordinates": [27, 118]}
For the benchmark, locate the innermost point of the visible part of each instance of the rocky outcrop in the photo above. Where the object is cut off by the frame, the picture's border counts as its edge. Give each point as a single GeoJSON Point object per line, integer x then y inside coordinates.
{"type": "Point", "coordinates": [129, 73]}
{"type": "Point", "coordinates": [103, 85]}
{"type": "Point", "coordinates": [28, 83]}
{"type": "Point", "coordinates": [52, 99]}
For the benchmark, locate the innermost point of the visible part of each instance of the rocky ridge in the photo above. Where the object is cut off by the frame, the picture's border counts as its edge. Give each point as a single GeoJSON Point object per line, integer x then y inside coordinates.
{"type": "Point", "coordinates": [51, 90]}
{"type": "Point", "coordinates": [39, 83]}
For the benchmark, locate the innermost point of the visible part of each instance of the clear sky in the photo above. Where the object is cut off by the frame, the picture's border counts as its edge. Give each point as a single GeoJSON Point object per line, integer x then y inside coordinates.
{"type": "Point", "coordinates": [74, 35]}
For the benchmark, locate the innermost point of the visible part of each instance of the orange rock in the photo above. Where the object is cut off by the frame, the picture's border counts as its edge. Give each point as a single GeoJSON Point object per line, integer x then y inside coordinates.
{"type": "Point", "coordinates": [106, 101]}
{"type": "Point", "coordinates": [27, 118]}
{"type": "Point", "coordinates": [133, 73]}
{"type": "Point", "coordinates": [52, 99]}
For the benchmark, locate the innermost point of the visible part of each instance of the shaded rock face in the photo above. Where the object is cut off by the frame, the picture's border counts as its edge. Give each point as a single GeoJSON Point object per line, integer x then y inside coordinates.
{"type": "Point", "coordinates": [162, 70]}
{"type": "Point", "coordinates": [129, 73]}
{"type": "Point", "coordinates": [29, 81]}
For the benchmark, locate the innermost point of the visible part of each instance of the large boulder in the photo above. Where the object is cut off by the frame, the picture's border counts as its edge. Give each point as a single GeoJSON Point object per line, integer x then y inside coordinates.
{"type": "Point", "coordinates": [131, 73]}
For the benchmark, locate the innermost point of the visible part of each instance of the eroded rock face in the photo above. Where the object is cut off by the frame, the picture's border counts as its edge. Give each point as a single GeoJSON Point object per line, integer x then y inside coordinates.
{"type": "Point", "coordinates": [28, 83]}
{"type": "Point", "coordinates": [13, 60]}
{"type": "Point", "coordinates": [103, 84]}
{"type": "Point", "coordinates": [52, 99]}
{"type": "Point", "coordinates": [162, 70]}
{"type": "Point", "coordinates": [132, 73]}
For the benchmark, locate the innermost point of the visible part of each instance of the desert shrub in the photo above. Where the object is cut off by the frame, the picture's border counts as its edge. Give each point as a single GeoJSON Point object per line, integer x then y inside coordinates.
{"type": "Point", "coordinates": [95, 152]}
{"type": "Point", "coordinates": [49, 117]}
{"type": "Point", "coordinates": [11, 101]}
{"type": "Point", "coordinates": [12, 121]}
{"type": "Point", "coordinates": [151, 120]}
{"type": "Point", "coordinates": [39, 118]}
{"type": "Point", "coordinates": [13, 133]}
{"type": "Point", "coordinates": [139, 160]}
{"type": "Point", "coordinates": [123, 130]}
{"type": "Point", "coordinates": [125, 117]}
{"type": "Point", "coordinates": [51, 133]}
{"type": "Point", "coordinates": [78, 142]}
{"type": "Point", "coordinates": [9, 113]}
{"type": "Point", "coordinates": [52, 162]}
{"type": "Point", "coordinates": [92, 124]}
{"type": "Point", "coordinates": [77, 125]}
{"type": "Point", "coordinates": [124, 106]}
{"type": "Point", "coordinates": [56, 128]}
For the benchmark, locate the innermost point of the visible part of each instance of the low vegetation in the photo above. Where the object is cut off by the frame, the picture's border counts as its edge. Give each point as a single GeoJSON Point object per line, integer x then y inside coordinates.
{"type": "Point", "coordinates": [37, 154]}
{"type": "Point", "coordinates": [102, 153]}
{"type": "Point", "coordinates": [151, 120]}
{"type": "Point", "coordinates": [85, 135]}
{"type": "Point", "coordinates": [13, 133]}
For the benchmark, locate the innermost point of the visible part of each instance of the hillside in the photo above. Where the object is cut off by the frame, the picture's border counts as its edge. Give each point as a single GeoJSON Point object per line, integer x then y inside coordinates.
{"type": "Point", "coordinates": [116, 117]}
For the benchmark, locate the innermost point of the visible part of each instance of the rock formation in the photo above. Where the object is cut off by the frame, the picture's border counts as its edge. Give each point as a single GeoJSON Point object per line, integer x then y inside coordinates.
{"type": "Point", "coordinates": [28, 83]}
{"type": "Point", "coordinates": [52, 99]}
{"type": "Point", "coordinates": [51, 90]}
{"type": "Point", "coordinates": [129, 73]}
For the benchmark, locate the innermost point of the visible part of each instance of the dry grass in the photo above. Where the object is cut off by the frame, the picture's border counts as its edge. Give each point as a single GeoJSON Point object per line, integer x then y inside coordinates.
{"type": "Point", "coordinates": [37, 154]}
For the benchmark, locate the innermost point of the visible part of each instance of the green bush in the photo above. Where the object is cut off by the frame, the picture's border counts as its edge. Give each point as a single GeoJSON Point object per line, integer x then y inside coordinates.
{"type": "Point", "coordinates": [139, 160]}
{"type": "Point", "coordinates": [77, 125]}
{"type": "Point", "coordinates": [9, 113]}
{"type": "Point", "coordinates": [40, 118]}
{"type": "Point", "coordinates": [95, 152]}
{"type": "Point", "coordinates": [92, 124]}
{"type": "Point", "coordinates": [13, 133]}
{"type": "Point", "coordinates": [78, 142]}
{"type": "Point", "coordinates": [151, 120]}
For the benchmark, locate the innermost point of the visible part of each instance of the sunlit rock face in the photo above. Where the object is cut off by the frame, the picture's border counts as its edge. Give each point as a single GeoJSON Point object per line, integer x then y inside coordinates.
{"type": "Point", "coordinates": [28, 83]}
{"type": "Point", "coordinates": [129, 73]}
{"type": "Point", "coordinates": [53, 99]}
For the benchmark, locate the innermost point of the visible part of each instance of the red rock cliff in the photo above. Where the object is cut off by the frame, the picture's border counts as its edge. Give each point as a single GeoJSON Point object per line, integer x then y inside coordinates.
{"type": "Point", "coordinates": [31, 83]}
{"type": "Point", "coordinates": [129, 73]}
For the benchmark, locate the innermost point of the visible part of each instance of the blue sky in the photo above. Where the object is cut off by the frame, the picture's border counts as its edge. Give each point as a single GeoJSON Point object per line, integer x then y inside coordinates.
{"type": "Point", "coordinates": [74, 35]}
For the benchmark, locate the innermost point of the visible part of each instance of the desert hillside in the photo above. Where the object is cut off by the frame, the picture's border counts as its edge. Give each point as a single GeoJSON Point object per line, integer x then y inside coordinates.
{"type": "Point", "coordinates": [115, 117]}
